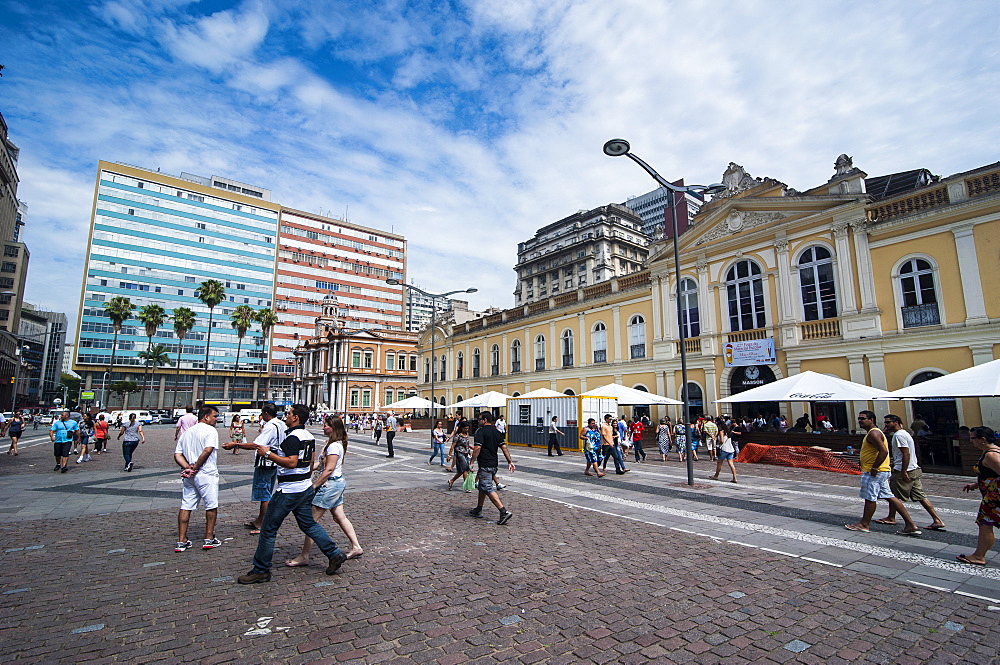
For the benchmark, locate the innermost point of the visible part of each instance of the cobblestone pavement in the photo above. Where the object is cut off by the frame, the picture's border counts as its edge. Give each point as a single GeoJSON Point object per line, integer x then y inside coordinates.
{"type": "Point", "coordinates": [638, 569]}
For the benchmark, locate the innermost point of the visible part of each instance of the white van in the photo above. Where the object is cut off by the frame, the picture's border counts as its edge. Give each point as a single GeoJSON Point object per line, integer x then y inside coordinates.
{"type": "Point", "coordinates": [144, 417]}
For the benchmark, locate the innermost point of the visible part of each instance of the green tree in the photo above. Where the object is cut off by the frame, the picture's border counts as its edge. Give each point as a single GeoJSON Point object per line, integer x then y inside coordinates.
{"type": "Point", "coordinates": [242, 318]}
{"type": "Point", "coordinates": [119, 310]}
{"type": "Point", "coordinates": [210, 292]}
{"type": "Point", "coordinates": [155, 356]}
{"type": "Point", "coordinates": [123, 388]}
{"type": "Point", "coordinates": [72, 384]}
{"type": "Point", "coordinates": [267, 320]}
{"type": "Point", "coordinates": [184, 319]}
{"type": "Point", "coordinates": [152, 317]}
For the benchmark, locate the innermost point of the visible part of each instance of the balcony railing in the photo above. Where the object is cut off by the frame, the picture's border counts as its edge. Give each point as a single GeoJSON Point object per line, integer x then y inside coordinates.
{"type": "Point", "coordinates": [601, 356]}
{"type": "Point", "coordinates": [746, 335]}
{"type": "Point", "coordinates": [515, 367]}
{"type": "Point", "coordinates": [921, 315]}
{"type": "Point", "coordinates": [824, 329]}
{"type": "Point", "coordinates": [567, 360]}
{"type": "Point", "coordinates": [924, 200]}
{"type": "Point", "coordinates": [637, 351]}
{"type": "Point", "coordinates": [691, 345]}
{"type": "Point", "coordinates": [539, 364]}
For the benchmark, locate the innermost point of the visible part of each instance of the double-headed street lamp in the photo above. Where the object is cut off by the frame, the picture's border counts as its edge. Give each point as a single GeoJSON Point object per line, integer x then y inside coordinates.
{"type": "Point", "coordinates": [433, 296]}
{"type": "Point", "coordinates": [618, 148]}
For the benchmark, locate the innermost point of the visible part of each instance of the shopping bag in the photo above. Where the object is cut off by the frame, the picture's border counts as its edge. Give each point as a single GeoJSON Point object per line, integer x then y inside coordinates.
{"type": "Point", "coordinates": [469, 483]}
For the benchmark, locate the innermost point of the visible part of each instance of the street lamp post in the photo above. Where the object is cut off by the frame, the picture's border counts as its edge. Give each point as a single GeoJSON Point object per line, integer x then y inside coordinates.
{"type": "Point", "coordinates": [618, 148]}
{"type": "Point", "coordinates": [433, 296]}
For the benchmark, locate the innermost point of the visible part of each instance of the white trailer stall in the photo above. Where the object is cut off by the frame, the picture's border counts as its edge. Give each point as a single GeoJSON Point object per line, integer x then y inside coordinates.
{"type": "Point", "coordinates": [528, 418]}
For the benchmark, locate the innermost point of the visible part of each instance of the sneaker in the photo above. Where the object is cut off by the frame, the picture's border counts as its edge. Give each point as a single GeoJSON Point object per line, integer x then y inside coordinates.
{"type": "Point", "coordinates": [501, 486]}
{"type": "Point", "coordinates": [76, 452]}
{"type": "Point", "coordinates": [254, 577]}
{"type": "Point", "coordinates": [505, 516]}
{"type": "Point", "coordinates": [79, 460]}
{"type": "Point", "coordinates": [182, 546]}
{"type": "Point", "coordinates": [65, 469]}
{"type": "Point", "coordinates": [87, 458]}
{"type": "Point", "coordinates": [56, 467]}
{"type": "Point", "coordinates": [128, 467]}
{"type": "Point", "coordinates": [211, 543]}
{"type": "Point", "coordinates": [476, 512]}
{"type": "Point", "coordinates": [335, 563]}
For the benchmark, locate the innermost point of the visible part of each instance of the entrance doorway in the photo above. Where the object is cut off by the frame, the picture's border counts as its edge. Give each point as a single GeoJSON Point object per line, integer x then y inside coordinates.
{"type": "Point", "coordinates": [745, 378]}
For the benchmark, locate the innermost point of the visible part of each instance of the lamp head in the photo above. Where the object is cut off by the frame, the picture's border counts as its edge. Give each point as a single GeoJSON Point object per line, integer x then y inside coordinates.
{"type": "Point", "coordinates": [472, 290]}
{"type": "Point", "coordinates": [393, 281]}
{"type": "Point", "coordinates": [616, 148]}
{"type": "Point", "coordinates": [716, 188]}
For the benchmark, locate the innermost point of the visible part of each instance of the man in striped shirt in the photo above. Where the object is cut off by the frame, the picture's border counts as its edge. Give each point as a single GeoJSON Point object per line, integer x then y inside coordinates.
{"type": "Point", "coordinates": [294, 494]}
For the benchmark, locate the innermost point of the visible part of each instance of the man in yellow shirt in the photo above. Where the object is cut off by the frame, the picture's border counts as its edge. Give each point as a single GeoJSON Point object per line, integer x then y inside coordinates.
{"type": "Point", "coordinates": [875, 471]}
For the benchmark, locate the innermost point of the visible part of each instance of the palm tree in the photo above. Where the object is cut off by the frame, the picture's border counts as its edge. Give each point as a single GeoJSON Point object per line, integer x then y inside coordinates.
{"type": "Point", "coordinates": [184, 319]}
{"type": "Point", "coordinates": [267, 320]}
{"type": "Point", "coordinates": [242, 318]}
{"type": "Point", "coordinates": [119, 310]}
{"type": "Point", "coordinates": [157, 356]}
{"type": "Point", "coordinates": [210, 292]}
{"type": "Point", "coordinates": [151, 316]}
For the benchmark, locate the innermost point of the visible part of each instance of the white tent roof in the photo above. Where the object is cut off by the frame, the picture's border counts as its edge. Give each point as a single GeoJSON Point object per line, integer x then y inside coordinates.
{"type": "Point", "coordinates": [542, 392]}
{"type": "Point", "coordinates": [487, 400]}
{"type": "Point", "coordinates": [979, 381]}
{"type": "Point", "coordinates": [807, 386]}
{"type": "Point", "coordinates": [626, 395]}
{"type": "Point", "coordinates": [411, 403]}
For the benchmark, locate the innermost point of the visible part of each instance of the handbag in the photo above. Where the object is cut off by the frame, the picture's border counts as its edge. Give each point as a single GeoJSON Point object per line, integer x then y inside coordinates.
{"type": "Point", "coordinates": [469, 483]}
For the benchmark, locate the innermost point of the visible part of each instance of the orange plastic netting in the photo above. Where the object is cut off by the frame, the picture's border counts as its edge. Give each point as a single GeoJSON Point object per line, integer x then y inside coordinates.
{"type": "Point", "coordinates": [803, 457]}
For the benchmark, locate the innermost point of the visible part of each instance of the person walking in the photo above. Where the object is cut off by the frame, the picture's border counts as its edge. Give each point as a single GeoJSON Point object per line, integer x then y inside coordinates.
{"type": "Point", "coordinates": [663, 440]}
{"type": "Point", "coordinates": [710, 435]}
{"type": "Point", "coordinates": [681, 438]}
{"type": "Point", "coordinates": [554, 434]}
{"type": "Point", "coordinates": [488, 441]}
{"type": "Point", "coordinates": [905, 477]}
{"type": "Point", "coordinates": [391, 425]}
{"type": "Point", "coordinates": [611, 446]}
{"type": "Point", "coordinates": [133, 437]}
{"type": "Point", "coordinates": [875, 478]}
{"type": "Point", "coordinates": [196, 453]}
{"type": "Point", "coordinates": [636, 430]}
{"type": "Point", "coordinates": [438, 437]}
{"type": "Point", "coordinates": [237, 431]}
{"type": "Point", "coordinates": [328, 472]}
{"type": "Point", "coordinates": [14, 431]}
{"type": "Point", "coordinates": [987, 471]}
{"type": "Point", "coordinates": [294, 494]}
{"type": "Point", "coordinates": [100, 434]}
{"type": "Point", "coordinates": [62, 434]}
{"type": "Point", "coordinates": [271, 434]}
{"type": "Point", "coordinates": [727, 453]}
{"type": "Point", "coordinates": [86, 431]}
{"type": "Point", "coordinates": [377, 430]}
{"type": "Point", "coordinates": [460, 453]}
{"type": "Point", "coordinates": [592, 440]}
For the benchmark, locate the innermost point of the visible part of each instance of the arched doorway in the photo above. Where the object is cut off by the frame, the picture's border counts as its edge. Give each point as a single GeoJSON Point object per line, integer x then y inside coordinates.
{"type": "Point", "coordinates": [747, 377]}
{"type": "Point", "coordinates": [941, 415]}
{"type": "Point", "coordinates": [640, 410]}
{"type": "Point", "coordinates": [695, 400]}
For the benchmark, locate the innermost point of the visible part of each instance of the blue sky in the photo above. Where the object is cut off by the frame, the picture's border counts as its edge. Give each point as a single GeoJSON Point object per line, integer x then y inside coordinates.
{"type": "Point", "coordinates": [466, 126]}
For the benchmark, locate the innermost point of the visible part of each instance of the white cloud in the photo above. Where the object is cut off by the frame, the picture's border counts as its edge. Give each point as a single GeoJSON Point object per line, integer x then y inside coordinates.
{"type": "Point", "coordinates": [219, 40]}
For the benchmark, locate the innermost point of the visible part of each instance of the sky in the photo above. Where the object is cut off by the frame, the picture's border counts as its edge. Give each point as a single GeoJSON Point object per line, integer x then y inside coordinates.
{"type": "Point", "coordinates": [466, 126]}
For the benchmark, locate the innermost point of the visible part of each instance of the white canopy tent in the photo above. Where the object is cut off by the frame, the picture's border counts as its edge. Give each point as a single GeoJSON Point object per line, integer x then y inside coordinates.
{"type": "Point", "coordinates": [630, 396]}
{"type": "Point", "coordinates": [978, 381]}
{"type": "Point", "coordinates": [541, 392]}
{"type": "Point", "coordinates": [412, 404]}
{"type": "Point", "coordinates": [807, 386]}
{"type": "Point", "coordinates": [487, 400]}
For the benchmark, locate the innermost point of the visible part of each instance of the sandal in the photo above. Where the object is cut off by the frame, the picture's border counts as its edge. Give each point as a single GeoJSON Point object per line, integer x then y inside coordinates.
{"type": "Point", "coordinates": [964, 559]}
{"type": "Point", "coordinates": [885, 521]}
{"type": "Point", "coordinates": [450, 483]}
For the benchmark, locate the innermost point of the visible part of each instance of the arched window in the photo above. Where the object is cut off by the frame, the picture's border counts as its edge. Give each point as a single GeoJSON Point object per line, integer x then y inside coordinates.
{"type": "Point", "coordinates": [569, 391]}
{"type": "Point", "coordinates": [637, 337]}
{"type": "Point", "coordinates": [919, 297]}
{"type": "Point", "coordinates": [495, 360]}
{"type": "Point", "coordinates": [745, 291]}
{"type": "Point", "coordinates": [515, 356]}
{"type": "Point", "coordinates": [687, 311]}
{"type": "Point", "coordinates": [476, 359]}
{"type": "Point", "coordinates": [539, 353]}
{"type": "Point", "coordinates": [459, 365]}
{"type": "Point", "coordinates": [819, 293]}
{"type": "Point", "coordinates": [567, 348]}
{"type": "Point", "coordinates": [599, 339]}
{"type": "Point", "coordinates": [695, 400]}
{"type": "Point", "coordinates": [444, 363]}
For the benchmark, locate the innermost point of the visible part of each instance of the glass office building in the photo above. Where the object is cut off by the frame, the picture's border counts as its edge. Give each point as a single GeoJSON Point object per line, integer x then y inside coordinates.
{"type": "Point", "coordinates": [154, 238]}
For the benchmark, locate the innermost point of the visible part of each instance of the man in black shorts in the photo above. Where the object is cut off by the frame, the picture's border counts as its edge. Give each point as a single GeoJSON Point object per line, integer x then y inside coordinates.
{"type": "Point", "coordinates": [488, 441]}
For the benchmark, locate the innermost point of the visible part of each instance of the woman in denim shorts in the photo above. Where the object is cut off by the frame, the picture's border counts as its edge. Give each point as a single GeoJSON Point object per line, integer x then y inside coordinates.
{"type": "Point", "coordinates": [328, 479]}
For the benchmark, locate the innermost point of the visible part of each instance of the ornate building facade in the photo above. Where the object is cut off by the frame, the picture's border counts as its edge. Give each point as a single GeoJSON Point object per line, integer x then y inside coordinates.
{"type": "Point", "coordinates": [347, 370]}
{"type": "Point", "coordinates": [884, 281]}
